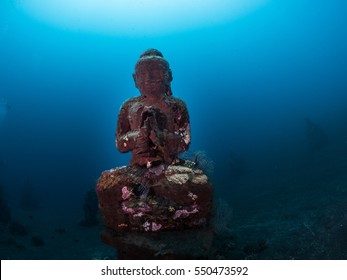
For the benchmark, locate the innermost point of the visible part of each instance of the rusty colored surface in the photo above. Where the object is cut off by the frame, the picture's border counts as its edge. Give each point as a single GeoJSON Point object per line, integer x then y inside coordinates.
{"type": "Point", "coordinates": [158, 195]}
{"type": "Point", "coordinates": [154, 126]}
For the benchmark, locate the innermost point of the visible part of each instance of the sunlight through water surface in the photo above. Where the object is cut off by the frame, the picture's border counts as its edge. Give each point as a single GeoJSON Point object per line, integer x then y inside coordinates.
{"type": "Point", "coordinates": [138, 17]}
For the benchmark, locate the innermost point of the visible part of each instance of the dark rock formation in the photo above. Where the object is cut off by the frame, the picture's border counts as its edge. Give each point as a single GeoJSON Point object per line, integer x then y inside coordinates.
{"type": "Point", "coordinates": [37, 241]}
{"type": "Point", "coordinates": [17, 229]}
{"type": "Point", "coordinates": [90, 209]}
{"type": "Point", "coordinates": [5, 213]}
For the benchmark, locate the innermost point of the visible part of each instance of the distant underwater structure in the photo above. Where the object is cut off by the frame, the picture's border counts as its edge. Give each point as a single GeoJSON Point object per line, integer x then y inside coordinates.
{"type": "Point", "coordinates": [90, 209]}
{"type": "Point", "coordinates": [5, 212]}
{"type": "Point", "coordinates": [29, 197]}
{"type": "Point", "coordinates": [158, 193]}
{"type": "Point", "coordinates": [4, 107]}
{"type": "Point", "coordinates": [316, 136]}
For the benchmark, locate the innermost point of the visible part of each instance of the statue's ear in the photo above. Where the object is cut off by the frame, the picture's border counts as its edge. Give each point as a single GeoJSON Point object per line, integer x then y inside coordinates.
{"type": "Point", "coordinates": [168, 90]}
{"type": "Point", "coordinates": [134, 77]}
{"type": "Point", "coordinates": [170, 75]}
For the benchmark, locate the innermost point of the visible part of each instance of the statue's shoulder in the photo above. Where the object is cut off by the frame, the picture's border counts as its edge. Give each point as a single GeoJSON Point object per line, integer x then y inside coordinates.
{"type": "Point", "coordinates": [177, 102]}
{"type": "Point", "coordinates": [130, 102]}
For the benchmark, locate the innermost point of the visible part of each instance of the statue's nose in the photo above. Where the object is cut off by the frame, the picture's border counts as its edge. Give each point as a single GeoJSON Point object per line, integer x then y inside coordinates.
{"type": "Point", "coordinates": [151, 77]}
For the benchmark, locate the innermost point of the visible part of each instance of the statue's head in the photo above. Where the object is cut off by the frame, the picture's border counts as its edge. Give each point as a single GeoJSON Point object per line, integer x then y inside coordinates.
{"type": "Point", "coordinates": [153, 74]}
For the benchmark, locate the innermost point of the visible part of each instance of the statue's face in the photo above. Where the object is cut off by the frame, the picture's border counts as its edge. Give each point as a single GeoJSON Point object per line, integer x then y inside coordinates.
{"type": "Point", "coordinates": [150, 79]}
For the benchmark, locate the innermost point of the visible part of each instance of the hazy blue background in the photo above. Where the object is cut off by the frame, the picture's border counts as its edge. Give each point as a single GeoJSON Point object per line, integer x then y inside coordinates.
{"type": "Point", "coordinates": [248, 84]}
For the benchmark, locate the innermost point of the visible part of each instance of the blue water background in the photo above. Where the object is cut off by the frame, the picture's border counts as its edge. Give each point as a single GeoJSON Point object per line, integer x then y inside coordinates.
{"type": "Point", "coordinates": [248, 85]}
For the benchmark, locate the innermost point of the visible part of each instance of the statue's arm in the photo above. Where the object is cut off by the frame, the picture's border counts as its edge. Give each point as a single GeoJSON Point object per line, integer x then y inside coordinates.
{"type": "Point", "coordinates": [125, 137]}
{"type": "Point", "coordinates": [184, 130]}
{"type": "Point", "coordinates": [180, 137]}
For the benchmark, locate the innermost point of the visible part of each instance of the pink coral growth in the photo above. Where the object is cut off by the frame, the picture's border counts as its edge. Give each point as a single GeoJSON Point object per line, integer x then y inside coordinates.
{"type": "Point", "coordinates": [151, 226]}
{"type": "Point", "coordinates": [128, 210]}
{"type": "Point", "coordinates": [136, 211]}
{"type": "Point", "coordinates": [126, 193]}
{"type": "Point", "coordinates": [145, 208]}
{"type": "Point", "coordinates": [156, 227]}
{"type": "Point", "coordinates": [184, 213]}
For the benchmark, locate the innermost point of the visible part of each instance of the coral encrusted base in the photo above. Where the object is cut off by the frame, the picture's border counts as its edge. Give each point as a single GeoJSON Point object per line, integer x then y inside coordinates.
{"type": "Point", "coordinates": [159, 198]}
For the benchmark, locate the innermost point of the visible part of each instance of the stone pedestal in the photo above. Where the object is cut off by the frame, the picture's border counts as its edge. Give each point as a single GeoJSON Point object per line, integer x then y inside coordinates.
{"type": "Point", "coordinates": [168, 245]}
{"type": "Point", "coordinates": [141, 206]}
{"type": "Point", "coordinates": [161, 198]}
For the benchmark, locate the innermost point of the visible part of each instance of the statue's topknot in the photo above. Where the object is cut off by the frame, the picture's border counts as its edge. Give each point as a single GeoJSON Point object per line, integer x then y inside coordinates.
{"type": "Point", "coordinates": [151, 52]}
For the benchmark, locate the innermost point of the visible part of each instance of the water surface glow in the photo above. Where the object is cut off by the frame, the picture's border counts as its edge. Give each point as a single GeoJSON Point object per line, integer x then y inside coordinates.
{"type": "Point", "coordinates": [137, 17]}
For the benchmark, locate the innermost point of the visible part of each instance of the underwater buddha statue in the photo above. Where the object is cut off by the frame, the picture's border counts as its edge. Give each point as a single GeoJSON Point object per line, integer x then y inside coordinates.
{"type": "Point", "coordinates": [154, 126]}
{"type": "Point", "coordinates": [157, 191]}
